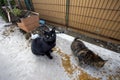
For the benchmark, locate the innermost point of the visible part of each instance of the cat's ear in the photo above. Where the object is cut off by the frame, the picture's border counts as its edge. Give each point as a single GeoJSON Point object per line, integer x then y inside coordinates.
{"type": "Point", "coordinates": [53, 29]}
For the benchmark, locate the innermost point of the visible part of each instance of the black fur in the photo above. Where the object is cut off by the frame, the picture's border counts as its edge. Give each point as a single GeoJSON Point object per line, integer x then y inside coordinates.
{"type": "Point", "coordinates": [43, 45]}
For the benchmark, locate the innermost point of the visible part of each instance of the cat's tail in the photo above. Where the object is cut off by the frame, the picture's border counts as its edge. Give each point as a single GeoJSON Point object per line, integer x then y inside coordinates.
{"type": "Point", "coordinates": [77, 38]}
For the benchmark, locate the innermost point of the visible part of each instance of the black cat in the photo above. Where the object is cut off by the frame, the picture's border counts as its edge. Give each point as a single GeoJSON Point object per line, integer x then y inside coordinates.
{"type": "Point", "coordinates": [43, 45]}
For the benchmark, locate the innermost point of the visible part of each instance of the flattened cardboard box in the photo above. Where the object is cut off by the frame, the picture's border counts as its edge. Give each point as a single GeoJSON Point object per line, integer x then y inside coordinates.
{"type": "Point", "coordinates": [29, 23]}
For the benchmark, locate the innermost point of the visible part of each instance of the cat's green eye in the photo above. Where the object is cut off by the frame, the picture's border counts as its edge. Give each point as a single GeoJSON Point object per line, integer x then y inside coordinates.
{"type": "Point", "coordinates": [47, 36]}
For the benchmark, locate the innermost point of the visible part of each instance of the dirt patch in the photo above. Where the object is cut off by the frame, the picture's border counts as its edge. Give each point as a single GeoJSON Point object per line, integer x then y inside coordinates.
{"type": "Point", "coordinates": [67, 65]}
{"type": "Point", "coordinates": [84, 76]}
{"type": "Point", "coordinates": [9, 30]}
{"type": "Point", "coordinates": [75, 72]}
{"type": "Point", "coordinates": [71, 68]}
{"type": "Point", "coordinates": [65, 61]}
{"type": "Point", "coordinates": [114, 77]}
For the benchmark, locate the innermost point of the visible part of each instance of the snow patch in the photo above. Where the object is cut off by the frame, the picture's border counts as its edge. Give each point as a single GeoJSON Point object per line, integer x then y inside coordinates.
{"type": "Point", "coordinates": [19, 63]}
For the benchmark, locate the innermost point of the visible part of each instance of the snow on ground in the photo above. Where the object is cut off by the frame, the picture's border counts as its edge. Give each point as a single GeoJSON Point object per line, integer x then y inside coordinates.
{"type": "Point", "coordinates": [18, 63]}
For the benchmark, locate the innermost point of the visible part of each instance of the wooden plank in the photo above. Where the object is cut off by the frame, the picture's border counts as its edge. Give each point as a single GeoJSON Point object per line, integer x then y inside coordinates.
{"type": "Point", "coordinates": [52, 13]}
{"type": "Point", "coordinates": [23, 4]}
{"type": "Point", "coordinates": [53, 19]}
{"type": "Point", "coordinates": [50, 7]}
{"type": "Point", "coordinates": [117, 35]}
{"type": "Point", "coordinates": [95, 36]}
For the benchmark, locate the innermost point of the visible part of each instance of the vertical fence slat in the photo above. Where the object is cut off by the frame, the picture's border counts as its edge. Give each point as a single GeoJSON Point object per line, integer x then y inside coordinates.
{"type": "Point", "coordinates": [111, 24]}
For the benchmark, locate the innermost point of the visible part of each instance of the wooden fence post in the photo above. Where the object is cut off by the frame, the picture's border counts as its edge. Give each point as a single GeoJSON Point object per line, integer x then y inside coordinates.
{"type": "Point", "coordinates": [67, 12]}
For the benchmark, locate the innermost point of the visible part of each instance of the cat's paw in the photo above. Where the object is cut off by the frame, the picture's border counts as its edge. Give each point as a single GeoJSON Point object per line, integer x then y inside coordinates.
{"type": "Point", "coordinates": [42, 54]}
{"type": "Point", "coordinates": [51, 51]}
{"type": "Point", "coordinates": [50, 57]}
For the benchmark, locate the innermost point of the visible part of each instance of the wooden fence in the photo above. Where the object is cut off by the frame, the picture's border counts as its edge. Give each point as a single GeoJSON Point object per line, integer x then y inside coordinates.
{"type": "Point", "coordinates": [21, 4]}
{"type": "Point", "coordinates": [100, 18]}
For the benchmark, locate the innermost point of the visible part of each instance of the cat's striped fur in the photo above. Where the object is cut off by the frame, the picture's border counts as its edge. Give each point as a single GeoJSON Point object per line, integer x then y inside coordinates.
{"type": "Point", "coordinates": [86, 56]}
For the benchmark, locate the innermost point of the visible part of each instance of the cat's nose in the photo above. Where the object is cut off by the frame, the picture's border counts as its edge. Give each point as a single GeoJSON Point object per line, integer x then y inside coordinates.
{"type": "Point", "coordinates": [50, 38]}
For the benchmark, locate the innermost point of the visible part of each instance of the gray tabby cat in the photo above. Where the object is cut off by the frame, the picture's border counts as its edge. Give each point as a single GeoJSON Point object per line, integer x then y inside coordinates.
{"type": "Point", "coordinates": [86, 56]}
